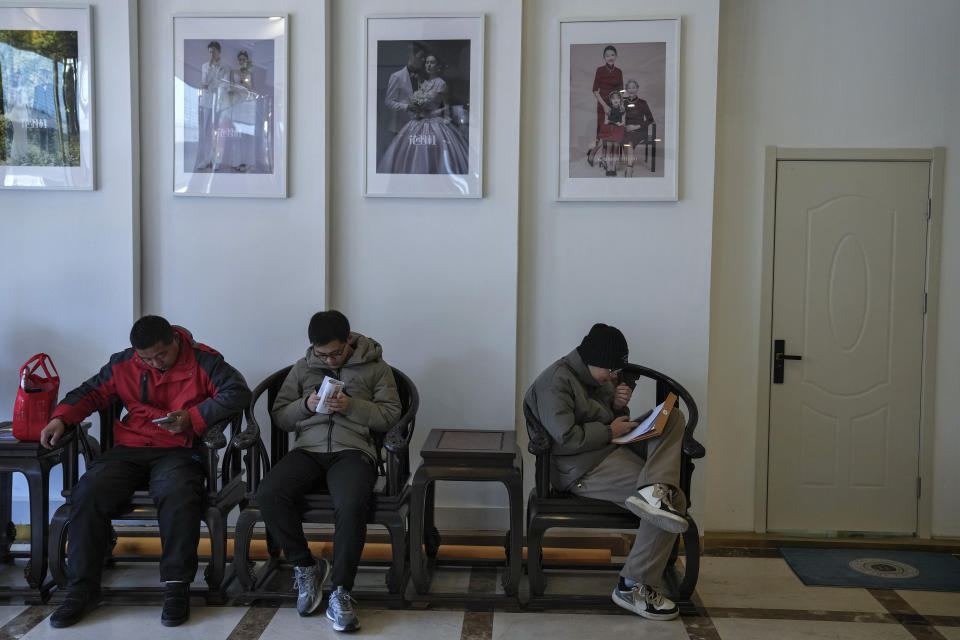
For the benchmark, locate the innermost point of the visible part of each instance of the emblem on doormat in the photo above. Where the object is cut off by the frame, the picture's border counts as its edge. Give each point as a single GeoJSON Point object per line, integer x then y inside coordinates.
{"type": "Point", "coordinates": [883, 568]}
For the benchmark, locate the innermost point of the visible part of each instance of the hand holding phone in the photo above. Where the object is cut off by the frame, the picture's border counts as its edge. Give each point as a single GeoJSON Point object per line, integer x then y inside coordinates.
{"type": "Point", "coordinates": [175, 422]}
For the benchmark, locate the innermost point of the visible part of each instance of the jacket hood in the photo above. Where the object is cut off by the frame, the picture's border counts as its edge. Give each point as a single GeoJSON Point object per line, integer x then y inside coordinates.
{"type": "Point", "coordinates": [575, 361]}
{"type": "Point", "coordinates": [364, 350]}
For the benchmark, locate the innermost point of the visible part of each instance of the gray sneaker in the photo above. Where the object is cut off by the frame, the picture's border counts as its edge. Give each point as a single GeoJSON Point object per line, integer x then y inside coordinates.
{"type": "Point", "coordinates": [646, 601]}
{"type": "Point", "coordinates": [341, 612]}
{"type": "Point", "coordinates": [654, 503]}
{"type": "Point", "coordinates": [308, 582]}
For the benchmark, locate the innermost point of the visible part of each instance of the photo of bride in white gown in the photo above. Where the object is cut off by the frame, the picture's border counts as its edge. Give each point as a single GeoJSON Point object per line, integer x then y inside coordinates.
{"type": "Point", "coordinates": [430, 143]}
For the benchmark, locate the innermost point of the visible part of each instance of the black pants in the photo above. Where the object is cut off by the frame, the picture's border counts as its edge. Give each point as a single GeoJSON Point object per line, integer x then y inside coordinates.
{"type": "Point", "coordinates": [349, 477]}
{"type": "Point", "coordinates": [174, 478]}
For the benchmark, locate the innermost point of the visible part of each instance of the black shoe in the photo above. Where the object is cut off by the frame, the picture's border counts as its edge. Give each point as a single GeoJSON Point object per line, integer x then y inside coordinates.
{"type": "Point", "coordinates": [76, 604]}
{"type": "Point", "coordinates": [176, 604]}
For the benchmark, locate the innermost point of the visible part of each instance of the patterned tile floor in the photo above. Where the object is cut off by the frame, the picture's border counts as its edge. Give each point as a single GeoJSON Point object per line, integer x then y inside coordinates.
{"type": "Point", "coordinates": [737, 598]}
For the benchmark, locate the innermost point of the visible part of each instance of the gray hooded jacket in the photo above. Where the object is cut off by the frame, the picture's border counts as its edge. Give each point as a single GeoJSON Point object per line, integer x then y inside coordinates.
{"type": "Point", "coordinates": [374, 401]}
{"type": "Point", "coordinates": [577, 411]}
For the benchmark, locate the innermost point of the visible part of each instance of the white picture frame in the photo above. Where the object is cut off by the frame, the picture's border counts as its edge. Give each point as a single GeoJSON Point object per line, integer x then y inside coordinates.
{"type": "Point", "coordinates": [46, 91]}
{"type": "Point", "coordinates": [635, 157]}
{"type": "Point", "coordinates": [230, 105]}
{"type": "Point", "coordinates": [424, 141]}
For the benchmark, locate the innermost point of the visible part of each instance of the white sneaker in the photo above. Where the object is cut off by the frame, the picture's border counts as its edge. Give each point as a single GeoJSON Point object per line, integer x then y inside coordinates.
{"type": "Point", "coordinates": [646, 601]}
{"type": "Point", "coordinates": [654, 503]}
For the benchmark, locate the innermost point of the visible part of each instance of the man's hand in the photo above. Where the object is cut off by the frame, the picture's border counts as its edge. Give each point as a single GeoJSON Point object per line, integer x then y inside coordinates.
{"type": "Point", "coordinates": [339, 403]}
{"type": "Point", "coordinates": [181, 421]}
{"type": "Point", "coordinates": [313, 401]}
{"type": "Point", "coordinates": [52, 433]}
{"type": "Point", "coordinates": [621, 396]}
{"type": "Point", "coordinates": [622, 426]}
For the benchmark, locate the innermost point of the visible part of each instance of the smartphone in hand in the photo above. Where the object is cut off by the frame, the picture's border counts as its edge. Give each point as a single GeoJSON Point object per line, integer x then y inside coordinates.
{"type": "Point", "coordinates": [164, 420]}
{"type": "Point", "coordinates": [629, 378]}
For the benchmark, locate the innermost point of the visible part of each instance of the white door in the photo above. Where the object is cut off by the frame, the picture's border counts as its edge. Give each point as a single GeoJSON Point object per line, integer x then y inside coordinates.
{"type": "Point", "coordinates": [849, 256]}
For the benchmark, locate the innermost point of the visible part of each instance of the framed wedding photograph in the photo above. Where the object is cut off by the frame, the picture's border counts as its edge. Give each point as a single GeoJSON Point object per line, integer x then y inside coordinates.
{"type": "Point", "coordinates": [46, 98]}
{"type": "Point", "coordinates": [424, 98]}
{"type": "Point", "coordinates": [230, 106]}
{"type": "Point", "coordinates": [619, 109]}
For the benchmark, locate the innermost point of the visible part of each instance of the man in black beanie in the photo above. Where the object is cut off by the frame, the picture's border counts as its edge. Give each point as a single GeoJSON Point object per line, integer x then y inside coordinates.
{"type": "Point", "coordinates": [582, 404]}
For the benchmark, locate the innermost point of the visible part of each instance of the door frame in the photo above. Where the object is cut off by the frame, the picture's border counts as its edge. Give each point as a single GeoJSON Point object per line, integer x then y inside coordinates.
{"type": "Point", "coordinates": [935, 157]}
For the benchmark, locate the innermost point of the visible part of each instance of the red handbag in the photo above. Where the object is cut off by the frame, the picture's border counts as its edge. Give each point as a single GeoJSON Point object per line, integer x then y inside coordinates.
{"type": "Point", "coordinates": [36, 397]}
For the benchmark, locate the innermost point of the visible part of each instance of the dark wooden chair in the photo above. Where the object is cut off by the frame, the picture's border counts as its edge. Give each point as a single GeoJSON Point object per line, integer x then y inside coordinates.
{"type": "Point", "coordinates": [226, 489]}
{"type": "Point", "coordinates": [389, 507]}
{"type": "Point", "coordinates": [548, 508]}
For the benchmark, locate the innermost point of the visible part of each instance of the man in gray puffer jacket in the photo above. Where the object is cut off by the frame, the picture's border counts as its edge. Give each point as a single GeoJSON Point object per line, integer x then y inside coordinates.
{"type": "Point", "coordinates": [333, 451]}
{"type": "Point", "coordinates": [582, 404]}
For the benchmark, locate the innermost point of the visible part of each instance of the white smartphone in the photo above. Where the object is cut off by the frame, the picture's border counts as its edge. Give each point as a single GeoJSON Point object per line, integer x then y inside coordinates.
{"type": "Point", "coordinates": [164, 420]}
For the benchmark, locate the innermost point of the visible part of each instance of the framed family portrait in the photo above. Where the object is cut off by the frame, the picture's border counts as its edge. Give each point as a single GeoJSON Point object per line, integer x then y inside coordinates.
{"type": "Point", "coordinates": [230, 106]}
{"type": "Point", "coordinates": [46, 98]}
{"type": "Point", "coordinates": [424, 116]}
{"type": "Point", "coordinates": [619, 109]}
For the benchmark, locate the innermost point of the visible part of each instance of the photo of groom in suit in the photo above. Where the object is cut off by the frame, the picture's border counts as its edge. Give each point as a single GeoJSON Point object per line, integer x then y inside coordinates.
{"type": "Point", "coordinates": [400, 86]}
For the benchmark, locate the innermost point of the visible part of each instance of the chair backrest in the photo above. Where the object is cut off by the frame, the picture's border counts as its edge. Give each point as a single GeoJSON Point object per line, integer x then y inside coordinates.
{"type": "Point", "coordinates": [540, 442]}
{"type": "Point", "coordinates": [397, 463]}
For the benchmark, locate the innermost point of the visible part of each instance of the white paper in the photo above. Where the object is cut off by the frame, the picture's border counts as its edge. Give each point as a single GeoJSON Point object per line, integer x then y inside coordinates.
{"type": "Point", "coordinates": [330, 388]}
{"type": "Point", "coordinates": [642, 428]}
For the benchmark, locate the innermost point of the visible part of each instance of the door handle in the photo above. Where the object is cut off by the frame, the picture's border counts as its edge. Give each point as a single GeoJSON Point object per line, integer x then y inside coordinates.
{"type": "Point", "coordinates": [779, 346]}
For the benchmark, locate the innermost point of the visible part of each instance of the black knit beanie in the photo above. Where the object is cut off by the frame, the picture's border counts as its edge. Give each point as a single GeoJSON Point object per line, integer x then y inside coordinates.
{"type": "Point", "coordinates": [604, 347]}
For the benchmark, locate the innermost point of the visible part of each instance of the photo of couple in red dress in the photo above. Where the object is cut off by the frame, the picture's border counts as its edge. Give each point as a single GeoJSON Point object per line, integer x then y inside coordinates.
{"type": "Point", "coordinates": [617, 109]}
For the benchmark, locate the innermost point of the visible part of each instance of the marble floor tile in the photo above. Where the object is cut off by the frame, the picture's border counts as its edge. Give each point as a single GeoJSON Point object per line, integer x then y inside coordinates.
{"type": "Point", "coordinates": [582, 582]}
{"type": "Point", "coordinates": [564, 626]}
{"type": "Point", "coordinates": [8, 613]}
{"type": "Point", "coordinates": [743, 629]}
{"type": "Point", "coordinates": [143, 621]}
{"type": "Point", "coordinates": [932, 603]}
{"type": "Point", "coordinates": [374, 623]}
{"type": "Point", "coordinates": [11, 574]}
{"type": "Point", "coordinates": [450, 580]}
{"type": "Point", "coordinates": [140, 574]}
{"type": "Point", "coordinates": [768, 583]}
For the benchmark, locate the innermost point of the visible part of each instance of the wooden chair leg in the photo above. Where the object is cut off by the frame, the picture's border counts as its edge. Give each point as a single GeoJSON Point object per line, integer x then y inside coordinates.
{"type": "Point", "coordinates": [243, 533]}
{"type": "Point", "coordinates": [538, 581]}
{"type": "Point", "coordinates": [399, 571]}
{"type": "Point", "coordinates": [57, 545]}
{"type": "Point", "coordinates": [213, 574]}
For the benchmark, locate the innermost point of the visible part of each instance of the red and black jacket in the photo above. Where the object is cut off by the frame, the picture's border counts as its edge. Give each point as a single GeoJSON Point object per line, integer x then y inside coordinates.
{"type": "Point", "coordinates": [200, 382]}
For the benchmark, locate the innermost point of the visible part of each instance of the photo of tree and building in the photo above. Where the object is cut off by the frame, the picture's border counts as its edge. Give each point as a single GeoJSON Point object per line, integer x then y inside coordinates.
{"type": "Point", "coordinates": [39, 119]}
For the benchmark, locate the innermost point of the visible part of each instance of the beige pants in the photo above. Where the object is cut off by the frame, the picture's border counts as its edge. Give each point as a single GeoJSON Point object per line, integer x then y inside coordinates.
{"type": "Point", "coordinates": [620, 474]}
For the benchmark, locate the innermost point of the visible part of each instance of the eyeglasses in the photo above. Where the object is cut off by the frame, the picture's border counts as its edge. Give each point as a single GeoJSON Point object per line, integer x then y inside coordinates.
{"type": "Point", "coordinates": [330, 356]}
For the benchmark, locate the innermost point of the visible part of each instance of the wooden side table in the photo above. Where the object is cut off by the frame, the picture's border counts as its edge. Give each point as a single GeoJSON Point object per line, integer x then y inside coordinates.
{"type": "Point", "coordinates": [466, 456]}
{"type": "Point", "coordinates": [34, 462]}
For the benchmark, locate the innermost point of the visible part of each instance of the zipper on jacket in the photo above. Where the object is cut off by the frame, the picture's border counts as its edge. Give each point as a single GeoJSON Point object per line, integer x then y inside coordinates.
{"type": "Point", "coordinates": [144, 387]}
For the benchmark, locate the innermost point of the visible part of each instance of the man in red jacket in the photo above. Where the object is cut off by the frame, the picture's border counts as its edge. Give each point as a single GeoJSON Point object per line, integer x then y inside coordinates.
{"type": "Point", "coordinates": [172, 388]}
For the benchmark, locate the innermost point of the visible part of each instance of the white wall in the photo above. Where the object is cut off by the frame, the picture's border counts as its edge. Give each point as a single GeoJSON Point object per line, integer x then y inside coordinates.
{"type": "Point", "coordinates": [243, 274]}
{"type": "Point", "coordinates": [473, 298]}
{"type": "Point", "coordinates": [617, 262]}
{"type": "Point", "coordinates": [858, 73]}
{"type": "Point", "coordinates": [434, 280]}
{"type": "Point", "coordinates": [70, 259]}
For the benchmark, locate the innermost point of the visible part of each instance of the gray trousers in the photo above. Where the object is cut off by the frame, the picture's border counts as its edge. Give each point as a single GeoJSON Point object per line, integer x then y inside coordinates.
{"type": "Point", "coordinates": [620, 474]}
